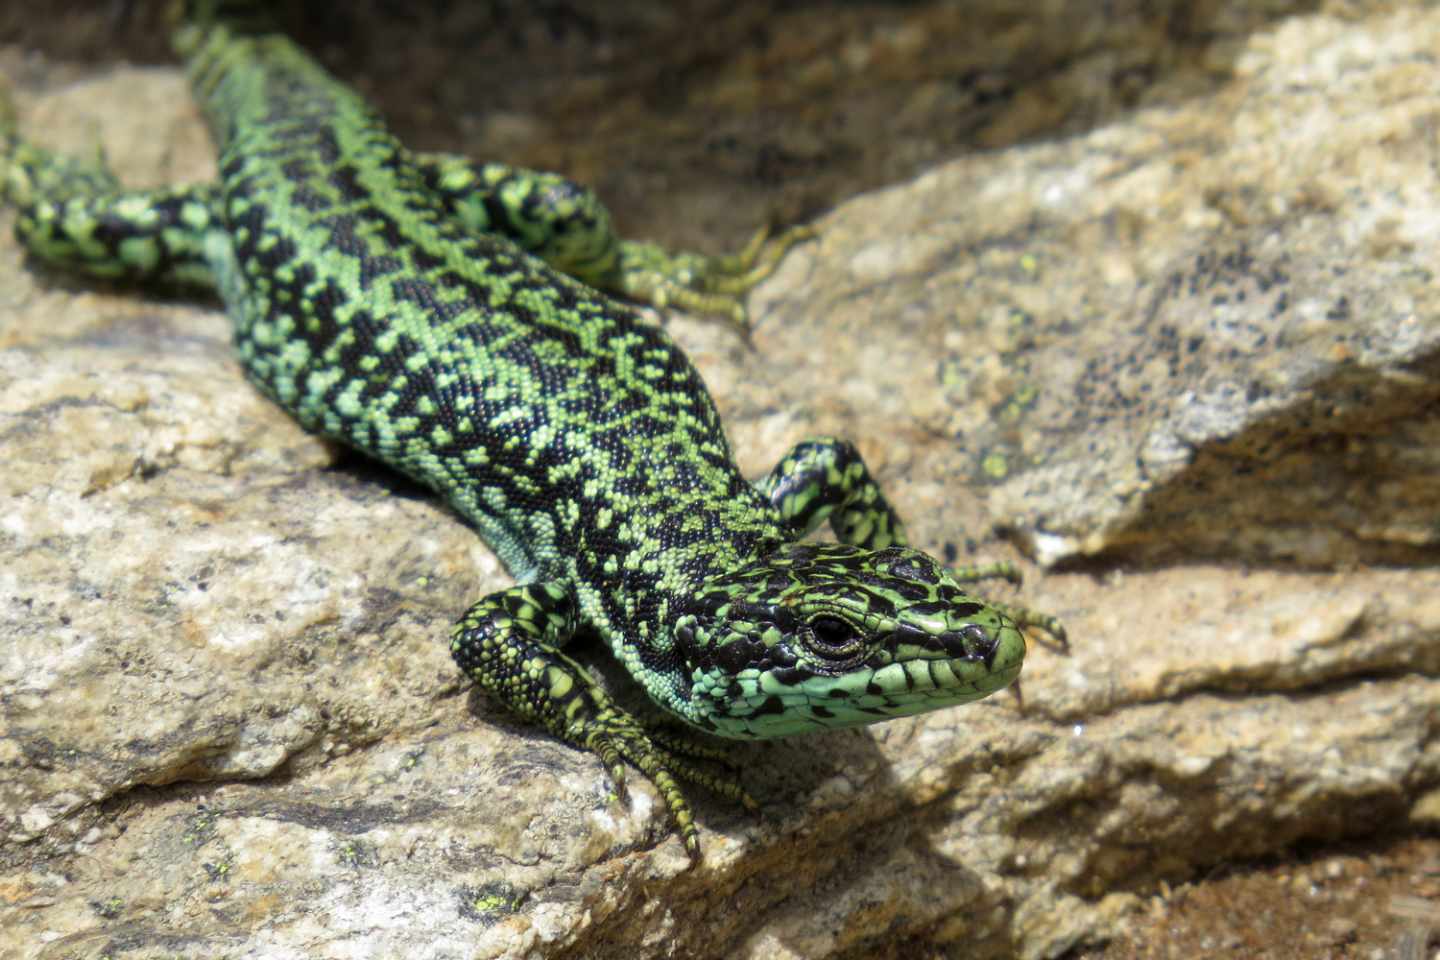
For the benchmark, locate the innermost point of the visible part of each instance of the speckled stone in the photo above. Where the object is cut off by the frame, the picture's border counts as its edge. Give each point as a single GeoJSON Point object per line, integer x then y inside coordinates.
{"type": "Point", "coordinates": [229, 721]}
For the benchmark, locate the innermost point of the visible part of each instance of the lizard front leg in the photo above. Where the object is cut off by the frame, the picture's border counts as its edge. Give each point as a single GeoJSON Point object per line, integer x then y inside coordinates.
{"type": "Point", "coordinates": [825, 478]}
{"type": "Point", "coordinates": [509, 643]}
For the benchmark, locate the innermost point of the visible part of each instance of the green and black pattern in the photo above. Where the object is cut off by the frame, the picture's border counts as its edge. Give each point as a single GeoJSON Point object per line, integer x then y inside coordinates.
{"type": "Point", "coordinates": [443, 317]}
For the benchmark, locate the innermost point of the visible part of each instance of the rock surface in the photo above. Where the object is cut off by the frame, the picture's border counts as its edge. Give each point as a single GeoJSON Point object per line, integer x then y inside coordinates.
{"type": "Point", "coordinates": [1187, 356]}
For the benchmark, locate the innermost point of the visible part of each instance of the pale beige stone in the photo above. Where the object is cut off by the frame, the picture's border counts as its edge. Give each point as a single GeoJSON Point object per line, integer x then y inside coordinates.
{"type": "Point", "coordinates": [229, 722]}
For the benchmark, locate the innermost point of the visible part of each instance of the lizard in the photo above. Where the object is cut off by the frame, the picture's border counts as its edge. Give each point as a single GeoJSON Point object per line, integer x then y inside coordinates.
{"type": "Point", "coordinates": [471, 325]}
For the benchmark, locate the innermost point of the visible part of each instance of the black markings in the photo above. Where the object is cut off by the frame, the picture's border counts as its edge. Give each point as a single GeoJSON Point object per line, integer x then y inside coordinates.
{"type": "Point", "coordinates": [422, 294]}
{"type": "Point", "coordinates": [307, 198]}
{"type": "Point", "coordinates": [326, 144]}
{"type": "Point", "coordinates": [375, 268]}
{"type": "Point", "coordinates": [793, 677]}
{"type": "Point", "coordinates": [911, 568]}
{"type": "Point", "coordinates": [345, 180]}
{"type": "Point", "coordinates": [298, 170]}
{"type": "Point", "coordinates": [772, 705]}
{"type": "Point", "coordinates": [910, 591]}
{"type": "Point", "coordinates": [344, 236]}
{"type": "Point", "coordinates": [734, 656]}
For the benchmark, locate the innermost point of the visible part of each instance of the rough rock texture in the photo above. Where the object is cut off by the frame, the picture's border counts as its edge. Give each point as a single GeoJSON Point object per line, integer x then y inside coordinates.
{"type": "Point", "coordinates": [1196, 344]}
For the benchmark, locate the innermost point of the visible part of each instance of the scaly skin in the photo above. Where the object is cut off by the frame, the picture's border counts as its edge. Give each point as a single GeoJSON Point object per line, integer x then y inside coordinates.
{"type": "Point", "coordinates": [399, 303]}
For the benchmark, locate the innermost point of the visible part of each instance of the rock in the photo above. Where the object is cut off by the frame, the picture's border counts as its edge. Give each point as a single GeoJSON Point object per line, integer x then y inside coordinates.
{"type": "Point", "coordinates": [1186, 357]}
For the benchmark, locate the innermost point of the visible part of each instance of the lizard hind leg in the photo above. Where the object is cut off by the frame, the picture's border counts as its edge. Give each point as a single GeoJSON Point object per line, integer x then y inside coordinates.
{"type": "Point", "coordinates": [73, 214]}
{"type": "Point", "coordinates": [703, 284]}
{"type": "Point", "coordinates": [566, 225]}
{"type": "Point", "coordinates": [31, 173]}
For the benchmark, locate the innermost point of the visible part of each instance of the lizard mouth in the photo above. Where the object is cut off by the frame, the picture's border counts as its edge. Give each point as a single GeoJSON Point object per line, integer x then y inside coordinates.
{"type": "Point", "coordinates": [768, 709]}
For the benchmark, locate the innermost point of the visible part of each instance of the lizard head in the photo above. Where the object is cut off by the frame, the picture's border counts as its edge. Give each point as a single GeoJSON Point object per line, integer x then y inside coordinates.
{"type": "Point", "coordinates": [828, 635]}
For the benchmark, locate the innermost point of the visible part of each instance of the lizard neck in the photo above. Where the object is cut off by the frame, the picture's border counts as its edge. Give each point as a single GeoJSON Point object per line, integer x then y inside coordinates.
{"type": "Point", "coordinates": [670, 557]}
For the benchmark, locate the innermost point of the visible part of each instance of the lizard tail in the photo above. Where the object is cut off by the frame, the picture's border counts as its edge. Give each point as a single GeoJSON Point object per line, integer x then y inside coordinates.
{"type": "Point", "coordinates": [204, 13]}
{"type": "Point", "coordinates": [193, 20]}
{"type": "Point", "coordinates": [7, 117]}
{"type": "Point", "coordinates": [9, 144]}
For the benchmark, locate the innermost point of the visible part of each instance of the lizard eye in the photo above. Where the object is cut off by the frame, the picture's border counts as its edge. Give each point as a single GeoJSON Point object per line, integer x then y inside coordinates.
{"type": "Point", "coordinates": [832, 634]}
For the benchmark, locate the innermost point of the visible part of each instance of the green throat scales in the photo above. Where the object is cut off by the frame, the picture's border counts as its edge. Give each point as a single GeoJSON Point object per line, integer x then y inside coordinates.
{"type": "Point", "coordinates": [444, 317]}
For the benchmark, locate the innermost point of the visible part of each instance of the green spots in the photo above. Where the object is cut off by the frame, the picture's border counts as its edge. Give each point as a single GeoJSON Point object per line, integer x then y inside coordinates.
{"type": "Point", "coordinates": [1013, 408]}
{"type": "Point", "coordinates": [219, 871]}
{"type": "Point", "coordinates": [356, 854]}
{"type": "Point", "coordinates": [995, 465]}
{"type": "Point", "coordinates": [319, 382]}
{"type": "Point", "coordinates": [195, 216]}
{"type": "Point", "coordinates": [385, 341]}
{"type": "Point", "coordinates": [561, 683]}
{"type": "Point", "coordinates": [201, 827]}
{"type": "Point", "coordinates": [138, 210]}
{"type": "Point", "coordinates": [141, 251]}
{"type": "Point", "coordinates": [109, 909]}
{"type": "Point", "coordinates": [540, 438]}
{"type": "Point", "coordinates": [495, 500]}
{"type": "Point", "coordinates": [491, 903]}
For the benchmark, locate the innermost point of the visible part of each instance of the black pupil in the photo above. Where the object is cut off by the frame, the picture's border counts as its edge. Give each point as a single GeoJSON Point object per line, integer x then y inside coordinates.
{"type": "Point", "coordinates": [831, 631]}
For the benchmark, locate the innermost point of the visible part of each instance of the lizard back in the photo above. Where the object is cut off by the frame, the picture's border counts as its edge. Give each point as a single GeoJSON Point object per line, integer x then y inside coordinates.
{"type": "Point", "coordinates": [578, 439]}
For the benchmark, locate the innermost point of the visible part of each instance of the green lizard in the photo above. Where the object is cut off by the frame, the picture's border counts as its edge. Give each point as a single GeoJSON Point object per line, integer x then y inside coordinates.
{"type": "Point", "coordinates": [443, 317]}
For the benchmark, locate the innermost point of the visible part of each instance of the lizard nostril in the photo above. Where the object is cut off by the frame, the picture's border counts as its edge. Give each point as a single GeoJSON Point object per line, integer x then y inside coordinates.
{"type": "Point", "coordinates": [970, 642]}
